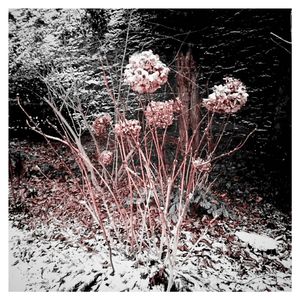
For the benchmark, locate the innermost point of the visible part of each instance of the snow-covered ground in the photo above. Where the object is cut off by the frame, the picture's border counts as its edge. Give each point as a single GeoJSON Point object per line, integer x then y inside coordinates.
{"type": "Point", "coordinates": [38, 263]}
{"type": "Point", "coordinates": [226, 258]}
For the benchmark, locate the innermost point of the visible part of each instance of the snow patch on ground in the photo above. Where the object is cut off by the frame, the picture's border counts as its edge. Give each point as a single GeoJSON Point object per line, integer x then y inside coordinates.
{"type": "Point", "coordinates": [226, 260]}
{"type": "Point", "coordinates": [39, 264]}
{"type": "Point", "coordinates": [257, 241]}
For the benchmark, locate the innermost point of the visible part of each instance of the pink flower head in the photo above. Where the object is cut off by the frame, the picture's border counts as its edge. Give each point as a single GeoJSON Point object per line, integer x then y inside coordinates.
{"type": "Point", "coordinates": [228, 98]}
{"type": "Point", "coordinates": [101, 124]}
{"type": "Point", "coordinates": [145, 73]}
{"type": "Point", "coordinates": [129, 128]}
{"type": "Point", "coordinates": [177, 105]}
{"type": "Point", "coordinates": [201, 165]}
{"type": "Point", "coordinates": [159, 114]}
{"type": "Point", "coordinates": [106, 157]}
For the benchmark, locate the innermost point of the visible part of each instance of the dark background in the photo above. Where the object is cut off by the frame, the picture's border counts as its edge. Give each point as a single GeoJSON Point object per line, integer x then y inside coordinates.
{"type": "Point", "coordinates": [240, 43]}
{"type": "Point", "coordinates": [236, 43]}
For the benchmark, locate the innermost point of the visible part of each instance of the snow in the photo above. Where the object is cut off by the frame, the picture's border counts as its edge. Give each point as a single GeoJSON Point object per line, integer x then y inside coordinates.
{"type": "Point", "coordinates": [44, 265]}
{"type": "Point", "coordinates": [92, 81]}
{"type": "Point", "coordinates": [39, 261]}
{"type": "Point", "coordinates": [260, 242]}
{"type": "Point", "coordinates": [16, 282]}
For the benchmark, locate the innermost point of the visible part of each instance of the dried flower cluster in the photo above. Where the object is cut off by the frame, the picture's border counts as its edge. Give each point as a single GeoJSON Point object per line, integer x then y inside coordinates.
{"type": "Point", "coordinates": [228, 98]}
{"type": "Point", "coordinates": [101, 125]}
{"type": "Point", "coordinates": [201, 165]}
{"type": "Point", "coordinates": [177, 105]}
{"type": "Point", "coordinates": [161, 114]}
{"type": "Point", "coordinates": [129, 128]}
{"type": "Point", "coordinates": [106, 157]}
{"type": "Point", "coordinates": [145, 73]}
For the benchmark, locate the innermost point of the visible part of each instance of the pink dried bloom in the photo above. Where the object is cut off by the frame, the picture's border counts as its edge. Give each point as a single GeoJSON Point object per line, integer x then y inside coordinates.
{"type": "Point", "coordinates": [159, 114]}
{"type": "Point", "coordinates": [228, 98]}
{"type": "Point", "coordinates": [106, 157]}
{"type": "Point", "coordinates": [101, 124]}
{"type": "Point", "coordinates": [201, 165]}
{"type": "Point", "coordinates": [130, 128]}
{"type": "Point", "coordinates": [177, 105]}
{"type": "Point", "coordinates": [145, 73]}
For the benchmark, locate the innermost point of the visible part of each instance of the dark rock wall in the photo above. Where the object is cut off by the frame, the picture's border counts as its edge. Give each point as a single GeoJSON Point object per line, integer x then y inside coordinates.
{"type": "Point", "coordinates": [240, 43]}
{"type": "Point", "coordinates": [244, 47]}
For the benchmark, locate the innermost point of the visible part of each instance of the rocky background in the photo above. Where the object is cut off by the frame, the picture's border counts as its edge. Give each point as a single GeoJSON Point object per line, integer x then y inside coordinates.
{"type": "Point", "coordinates": [250, 44]}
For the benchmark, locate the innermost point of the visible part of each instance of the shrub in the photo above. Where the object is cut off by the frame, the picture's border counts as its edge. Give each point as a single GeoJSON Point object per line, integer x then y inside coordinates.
{"type": "Point", "coordinates": [144, 187]}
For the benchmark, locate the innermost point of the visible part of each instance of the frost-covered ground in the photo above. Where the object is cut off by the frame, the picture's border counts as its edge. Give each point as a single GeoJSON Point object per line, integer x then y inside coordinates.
{"type": "Point", "coordinates": [54, 245]}
{"type": "Point", "coordinates": [251, 255]}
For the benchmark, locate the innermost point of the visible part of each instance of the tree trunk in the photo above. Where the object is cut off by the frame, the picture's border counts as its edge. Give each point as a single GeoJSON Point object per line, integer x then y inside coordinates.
{"type": "Point", "coordinates": [188, 94]}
